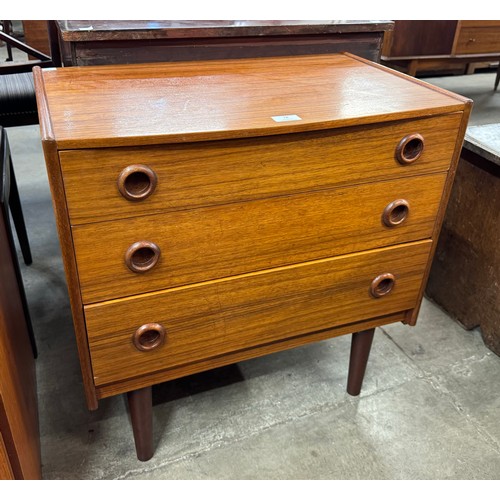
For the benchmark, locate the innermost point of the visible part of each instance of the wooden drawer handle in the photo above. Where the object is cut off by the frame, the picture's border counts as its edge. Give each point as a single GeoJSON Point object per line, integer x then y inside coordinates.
{"type": "Point", "coordinates": [395, 213]}
{"type": "Point", "coordinates": [137, 182]}
{"type": "Point", "coordinates": [410, 149]}
{"type": "Point", "coordinates": [149, 337]}
{"type": "Point", "coordinates": [142, 256]}
{"type": "Point", "coordinates": [382, 285]}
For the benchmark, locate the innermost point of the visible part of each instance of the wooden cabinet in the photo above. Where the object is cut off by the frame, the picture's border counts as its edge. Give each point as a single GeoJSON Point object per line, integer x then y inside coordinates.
{"type": "Point", "coordinates": [440, 45]}
{"type": "Point", "coordinates": [19, 433]}
{"type": "Point", "coordinates": [465, 275]}
{"type": "Point", "coordinates": [96, 42]}
{"type": "Point", "coordinates": [213, 212]}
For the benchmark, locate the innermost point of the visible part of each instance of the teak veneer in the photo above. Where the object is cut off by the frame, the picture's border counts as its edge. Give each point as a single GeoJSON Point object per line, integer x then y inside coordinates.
{"type": "Point", "coordinates": [211, 212]}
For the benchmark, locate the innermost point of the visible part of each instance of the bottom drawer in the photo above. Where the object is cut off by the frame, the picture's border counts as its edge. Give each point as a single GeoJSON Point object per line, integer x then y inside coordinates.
{"type": "Point", "coordinates": [216, 317]}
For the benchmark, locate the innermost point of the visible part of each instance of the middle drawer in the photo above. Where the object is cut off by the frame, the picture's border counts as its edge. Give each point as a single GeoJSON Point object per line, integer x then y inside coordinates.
{"type": "Point", "coordinates": [132, 256]}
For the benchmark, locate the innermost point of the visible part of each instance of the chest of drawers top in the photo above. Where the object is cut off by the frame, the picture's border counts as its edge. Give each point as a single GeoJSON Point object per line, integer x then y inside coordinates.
{"type": "Point", "coordinates": [147, 104]}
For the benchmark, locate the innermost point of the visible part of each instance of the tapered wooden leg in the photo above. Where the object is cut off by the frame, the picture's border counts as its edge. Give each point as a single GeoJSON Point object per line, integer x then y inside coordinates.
{"type": "Point", "coordinates": [497, 79]}
{"type": "Point", "coordinates": [360, 351]}
{"type": "Point", "coordinates": [140, 404]}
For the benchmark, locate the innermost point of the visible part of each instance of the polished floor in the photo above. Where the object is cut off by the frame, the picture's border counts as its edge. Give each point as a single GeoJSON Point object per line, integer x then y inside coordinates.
{"type": "Point", "coordinates": [430, 406]}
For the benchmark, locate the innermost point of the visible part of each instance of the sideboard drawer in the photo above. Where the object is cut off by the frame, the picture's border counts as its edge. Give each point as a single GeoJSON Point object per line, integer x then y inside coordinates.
{"type": "Point", "coordinates": [210, 319]}
{"type": "Point", "coordinates": [119, 258]}
{"type": "Point", "coordinates": [178, 176]}
{"type": "Point", "coordinates": [478, 40]}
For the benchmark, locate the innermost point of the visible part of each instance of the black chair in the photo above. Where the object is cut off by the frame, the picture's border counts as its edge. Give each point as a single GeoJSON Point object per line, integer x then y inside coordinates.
{"type": "Point", "coordinates": [17, 91]}
{"type": "Point", "coordinates": [9, 199]}
{"type": "Point", "coordinates": [18, 107]}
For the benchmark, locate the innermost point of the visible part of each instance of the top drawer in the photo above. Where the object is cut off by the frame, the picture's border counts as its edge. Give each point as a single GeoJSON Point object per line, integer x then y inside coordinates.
{"type": "Point", "coordinates": [180, 176]}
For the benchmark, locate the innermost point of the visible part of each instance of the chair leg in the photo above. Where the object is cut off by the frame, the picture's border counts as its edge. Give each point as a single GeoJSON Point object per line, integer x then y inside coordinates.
{"type": "Point", "coordinates": [497, 79]}
{"type": "Point", "coordinates": [24, 301]}
{"type": "Point", "coordinates": [17, 216]}
{"type": "Point", "coordinates": [9, 53]}
{"type": "Point", "coordinates": [360, 351]}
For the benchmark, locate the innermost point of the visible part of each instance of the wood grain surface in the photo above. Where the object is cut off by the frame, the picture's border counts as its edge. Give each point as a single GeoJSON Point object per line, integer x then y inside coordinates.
{"type": "Point", "coordinates": [6, 472]}
{"type": "Point", "coordinates": [217, 317]}
{"type": "Point", "coordinates": [18, 394]}
{"type": "Point", "coordinates": [465, 275]}
{"type": "Point", "coordinates": [412, 38]}
{"type": "Point", "coordinates": [188, 101]}
{"type": "Point", "coordinates": [214, 242]}
{"type": "Point", "coordinates": [111, 52]}
{"type": "Point", "coordinates": [65, 238]}
{"type": "Point", "coordinates": [413, 314]}
{"type": "Point", "coordinates": [478, 40]}
{"type": "Point", "coordinates": [121, 386]}
{"type": "Point", "coordinates": [207, 173]}
{"type": "Point", "coordinates": [78, 30]}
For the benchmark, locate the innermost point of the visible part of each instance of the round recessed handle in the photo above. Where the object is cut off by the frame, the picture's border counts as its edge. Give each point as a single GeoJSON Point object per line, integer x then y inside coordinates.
{"type": "Point", "coordinates": [410, 149]}
{"type": "Point", "coordinates": [382, 285]}
{"type": "Point", "coordinates": [137, 182]}
{"type": "Point", "coordinates": [395, 213]}
{"type": "Point", "coordinates": [142, 256]}
{"type": "Point", "coordinates": [149, 336]}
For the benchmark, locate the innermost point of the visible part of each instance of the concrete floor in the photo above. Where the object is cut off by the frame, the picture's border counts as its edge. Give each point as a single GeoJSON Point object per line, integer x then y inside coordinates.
{"type": "Point", "coordinates": [430, 406]}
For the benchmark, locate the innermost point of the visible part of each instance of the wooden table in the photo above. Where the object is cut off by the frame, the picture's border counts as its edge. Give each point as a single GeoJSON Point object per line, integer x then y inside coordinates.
{"type": "Point", "coordinates": [465, 276]}
{"type": "Point", "coordinates": [218, 211]}
{"type": "Point", "coordinates": [86, 43]}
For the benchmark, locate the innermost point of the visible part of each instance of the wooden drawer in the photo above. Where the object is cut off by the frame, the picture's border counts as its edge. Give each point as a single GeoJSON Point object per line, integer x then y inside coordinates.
{"type": "Point", "coordinates": [478, 40]}
{"type": "Point", "coordinates": [220, 241]}
{"type": "Point", "coordinates": [206, 320]}
{"type": "Point", "coordinates": [210, 173]}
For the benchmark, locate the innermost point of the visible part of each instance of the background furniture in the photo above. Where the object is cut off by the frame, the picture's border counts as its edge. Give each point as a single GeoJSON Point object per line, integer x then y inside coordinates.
{"type": "Point", "coordinates": [113, 42]}
{"type": "Point", "coordinates": [261, 205]}
{"type": "Point", "coordinates": [465, 276]}
{"type": "Point", "coordinates": [36, 35]}
{"type": "Point", "coordinates": [17, 93]}
{"type": "Point", "coordinates": [17, 108]}
{"type": "Point", "coordinates": [19, 435]}
{"type": "Point", "coordinates": [6, 27]}
{"type": "Point", "coordinates": [415, 46]}
{"type": "Point", "coordinates": [11, 197]}
{"type": "Point", "coordinates": [10, 202]}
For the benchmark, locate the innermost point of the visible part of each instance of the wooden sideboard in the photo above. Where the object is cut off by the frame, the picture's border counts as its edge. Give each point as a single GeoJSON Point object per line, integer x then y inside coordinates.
{"type": "Point", "coordinates": [436, 45]}
{"type": "Point", "coordinates": [85, 43]}
{"type": "Point", "coordinates": [218, 211]}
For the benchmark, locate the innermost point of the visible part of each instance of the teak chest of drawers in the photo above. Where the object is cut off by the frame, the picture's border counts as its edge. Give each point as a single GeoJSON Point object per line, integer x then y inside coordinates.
{"type": "Point", "coordinates": [211, 212]}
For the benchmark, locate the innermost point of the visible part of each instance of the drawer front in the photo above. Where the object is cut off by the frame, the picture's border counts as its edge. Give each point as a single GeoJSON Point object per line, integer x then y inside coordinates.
{"type": "Point", "coordinates": [220, 241]}
{"type": "Point", "coordinates": [175, 177]}
{"type": "Point", "coordinates": [478, 40]}
{"type": "Point", "coordinates": [210, 319]}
